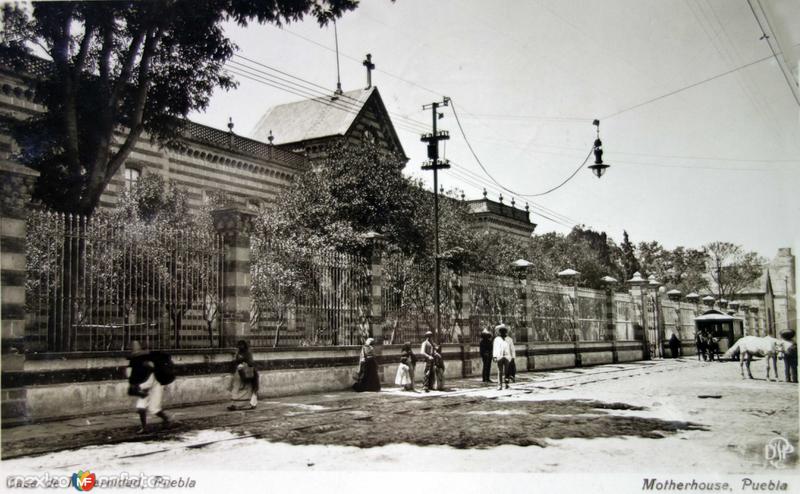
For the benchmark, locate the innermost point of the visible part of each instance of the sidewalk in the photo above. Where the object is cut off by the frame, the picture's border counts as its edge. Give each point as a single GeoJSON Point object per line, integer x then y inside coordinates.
{"type": "Point", "coordinates": [40, 438]}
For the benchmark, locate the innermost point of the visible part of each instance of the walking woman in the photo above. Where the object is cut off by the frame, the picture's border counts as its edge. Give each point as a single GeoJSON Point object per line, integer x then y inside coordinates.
{"type": "Point", "coordinates": [142, 383]}
{"type": "Point", "coordinates": [244, 381]}
{"type": "Point", "coordinates": [368, 379]}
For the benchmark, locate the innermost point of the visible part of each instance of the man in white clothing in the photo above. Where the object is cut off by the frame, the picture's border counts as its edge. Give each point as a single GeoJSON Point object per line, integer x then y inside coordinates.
{"type": "Point", "coordinates": [426, 351]}
{"type": "Point", "coordinates": [501, 353]}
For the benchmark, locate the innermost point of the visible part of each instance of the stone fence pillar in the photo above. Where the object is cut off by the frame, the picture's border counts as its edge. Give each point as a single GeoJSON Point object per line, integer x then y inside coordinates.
{"type": "Point", "coordinates": [16, 185]}
{"type": "Point", "coordinates": [376, 243]}
{"type": "Point", "coordinates": [235, 225]}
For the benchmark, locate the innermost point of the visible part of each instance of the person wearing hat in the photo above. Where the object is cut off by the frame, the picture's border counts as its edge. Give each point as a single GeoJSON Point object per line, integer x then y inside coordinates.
{"type": "Point", "coordinates": [501, 353]}
{"type": "Point", "coordinates": [789, 356]}
{"type": "Point", "coordinates": [486, 354]}
{"type": "Point", "coordinates": [426, 351]}
{"type": "Point", "coordinates": [143, 384]}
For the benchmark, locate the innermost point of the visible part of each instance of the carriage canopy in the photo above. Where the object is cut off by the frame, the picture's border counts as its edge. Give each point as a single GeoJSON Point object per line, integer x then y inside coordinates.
{"type": "Point", "coordinates": [726, 328]}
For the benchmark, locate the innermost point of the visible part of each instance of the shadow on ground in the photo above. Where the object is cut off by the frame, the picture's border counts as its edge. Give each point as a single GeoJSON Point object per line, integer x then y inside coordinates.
{"type": "Point", "coordinates": [462, 422]}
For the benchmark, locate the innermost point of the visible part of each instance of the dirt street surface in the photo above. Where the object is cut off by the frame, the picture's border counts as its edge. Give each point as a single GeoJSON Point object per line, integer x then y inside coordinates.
{"type": "Point", "coordinates": [671, 416]}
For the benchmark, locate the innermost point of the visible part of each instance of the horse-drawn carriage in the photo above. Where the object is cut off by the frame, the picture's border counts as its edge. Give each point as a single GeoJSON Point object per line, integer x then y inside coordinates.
{"type": "Point", "coordinates": [723, 328]}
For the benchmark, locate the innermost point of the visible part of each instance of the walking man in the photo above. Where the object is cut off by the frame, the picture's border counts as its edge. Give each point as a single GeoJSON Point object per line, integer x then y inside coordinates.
{"type": "Point", "coordinates": [486, 354]}
{"type": "Point", "coordinates": [501, 353]}
{"type": "Point", "coordinates": [427, 353]}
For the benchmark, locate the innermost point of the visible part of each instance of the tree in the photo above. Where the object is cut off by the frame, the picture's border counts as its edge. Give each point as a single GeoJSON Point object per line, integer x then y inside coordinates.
{"type": "Point", "coordinates": [629, 262]}
{"type": "Point", "coordinates": [139, 67]}
{"type": "Point", "coordinates": [687, 270]}
{"type": "Point", "coordinates": [731, 268]}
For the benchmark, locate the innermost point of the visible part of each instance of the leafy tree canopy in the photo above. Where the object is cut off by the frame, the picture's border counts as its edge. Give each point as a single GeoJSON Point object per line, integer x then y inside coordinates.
{"type": "Point", "coordinates": [138, 66]}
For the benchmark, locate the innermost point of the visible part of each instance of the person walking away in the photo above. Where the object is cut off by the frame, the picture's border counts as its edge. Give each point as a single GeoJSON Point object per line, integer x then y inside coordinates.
{"type": "Point", "coordinates": [674, 346]}
{"type": "Point", "coordinates": [244, 380]}
{"type": "Point", "coordinates": [368, 379]}
{"type": "Point", "coordinates": [789, 356]}
{"type": "Point", "coordinates": [143, 384]}
{"type": "Point", "coordinates": [426, 351]}
{"type": "Point", "coordinates": [511, 369]}
{"type": "Point", "coordinates": [438, 368]}
{"type": "Point", "coordinates": [501, 354]}
{"type": "Point", "coordinates": [486, 354]}
{"type": "Point", "coordinates": [407, 353]}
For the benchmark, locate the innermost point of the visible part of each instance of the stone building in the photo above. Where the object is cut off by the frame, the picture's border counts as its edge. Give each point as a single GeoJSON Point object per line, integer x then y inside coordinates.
{"type": "Point", "coordinates": [496, 216]}
{"type": "Point", "coordinates": [308, 127]}
{"type": "Point", "coordinates": [287, 140]}
{"type": "Point", "coordinates": [782, 272]}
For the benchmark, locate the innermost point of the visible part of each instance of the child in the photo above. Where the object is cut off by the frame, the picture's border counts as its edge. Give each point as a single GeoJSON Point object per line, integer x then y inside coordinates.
{"type": "Point", "coordinates": [403, 377]}
{"type": "Point", "coordinates": [438, 365]}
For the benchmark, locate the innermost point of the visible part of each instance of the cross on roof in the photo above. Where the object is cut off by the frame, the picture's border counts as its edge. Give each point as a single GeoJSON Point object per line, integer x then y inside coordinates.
{"type": "Point", "coordinates": [370, 67]}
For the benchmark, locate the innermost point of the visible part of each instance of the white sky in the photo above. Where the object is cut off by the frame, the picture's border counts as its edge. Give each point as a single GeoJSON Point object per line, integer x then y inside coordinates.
{"type": "Point", "coordinates": [720, 161]}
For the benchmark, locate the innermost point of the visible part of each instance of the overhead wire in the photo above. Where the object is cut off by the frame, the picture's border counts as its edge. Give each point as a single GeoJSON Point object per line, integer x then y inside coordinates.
{"type": "Point", "coordinates": [317, 88]}
{"type": "Point", "coordinates": [766, 37]}
{"type": "Point", "coordinates": [480, 163]}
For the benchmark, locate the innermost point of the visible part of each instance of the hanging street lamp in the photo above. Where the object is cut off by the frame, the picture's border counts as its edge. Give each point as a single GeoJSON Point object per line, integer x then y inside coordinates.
{"type": "Point", "coordinates": [598, 168]}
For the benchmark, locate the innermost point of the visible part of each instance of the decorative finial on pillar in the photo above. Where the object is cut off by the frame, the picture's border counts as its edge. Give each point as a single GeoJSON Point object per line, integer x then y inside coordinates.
{"type": "Point", "coordinates": [501, 198]}
{"type": "Point", "coordinates": [512, 202]}
{"type": "Point", "coordinates": [230, 125]}
{"type": "Point", "coordinates": [441, 189]}
{"type": "Point", "coordinates": [370, 67]}
{"type": "Point", "coordinates": [527, 208]}
{"type": "Point", "coordinates": [462, 196]}
{"type": "Point", "coordinates": [484, 192]}
{"type": "Point", "coordinates": [270, 137]}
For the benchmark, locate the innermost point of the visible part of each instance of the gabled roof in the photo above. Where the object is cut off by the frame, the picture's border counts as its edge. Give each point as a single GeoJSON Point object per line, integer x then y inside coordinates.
{"type": "Point", "coordinates": [761, 285]}
{"type": "Point", "coordinates": [312, 118]}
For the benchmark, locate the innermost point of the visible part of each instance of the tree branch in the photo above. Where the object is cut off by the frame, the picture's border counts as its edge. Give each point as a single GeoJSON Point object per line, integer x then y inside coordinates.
{"type": "Point", "coordinates": [83, 52]}
{"type": "Point", "coordinates": [127, 66]}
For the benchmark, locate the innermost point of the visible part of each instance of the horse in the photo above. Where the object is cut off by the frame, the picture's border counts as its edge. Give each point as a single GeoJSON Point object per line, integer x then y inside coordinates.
{"type": "Point", "coordinates": [762, 346]}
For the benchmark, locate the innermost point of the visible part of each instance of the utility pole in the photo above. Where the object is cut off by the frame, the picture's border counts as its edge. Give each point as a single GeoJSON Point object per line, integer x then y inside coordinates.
{"type": "Point", "coordinates": [435, 164]}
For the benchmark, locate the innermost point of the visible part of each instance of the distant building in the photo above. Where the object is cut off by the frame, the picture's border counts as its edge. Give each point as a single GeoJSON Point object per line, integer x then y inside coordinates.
{"type": "Point", "coordinates": [489, 215]}
{"type": "Point", "coordinates": [782, 271]}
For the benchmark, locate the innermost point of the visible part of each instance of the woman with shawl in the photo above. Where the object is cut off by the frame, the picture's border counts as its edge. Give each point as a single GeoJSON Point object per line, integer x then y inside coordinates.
{"type": "Point", "coordinates": [244, 381]}
{"type": "Point", "coordinates": [368, 379]}
{"type": "Point", "coordinates": [143, 384]}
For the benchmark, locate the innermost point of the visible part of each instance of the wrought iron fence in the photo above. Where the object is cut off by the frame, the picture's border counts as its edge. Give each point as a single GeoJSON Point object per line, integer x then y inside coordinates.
{"type": "Point", "coordinates": [306, 298]}
{"type": "Point", "coordinates": [497, 299]}
{"type": "Point", "coordinates": [408, 305]}
{"type": "Point", "coordinates": [96, 285]}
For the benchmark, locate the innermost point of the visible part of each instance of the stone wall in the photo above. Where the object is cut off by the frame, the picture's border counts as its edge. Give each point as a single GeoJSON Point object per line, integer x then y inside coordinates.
{"type": "Point", "coordinates": [58, 386]}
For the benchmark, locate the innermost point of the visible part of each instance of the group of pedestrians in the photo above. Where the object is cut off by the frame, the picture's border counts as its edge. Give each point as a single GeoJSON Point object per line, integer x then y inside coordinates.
{"type": "Point", "coordinates": [501, 351]}
{"type": "Point", "coordinates": [707, 346]}
{"type": "Point", "coordinates": [149, 372]}
{"type": "Point", "coordinates": [433, 376]}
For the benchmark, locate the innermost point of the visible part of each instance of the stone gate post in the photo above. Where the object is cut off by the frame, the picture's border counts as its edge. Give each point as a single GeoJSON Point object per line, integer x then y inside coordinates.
{"type": "Point", "coordinates": [235, 225]}
{"type": "Point", "coordinates": [16, 185]}
{"type": "Point", "coordinates": [376, 243]}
